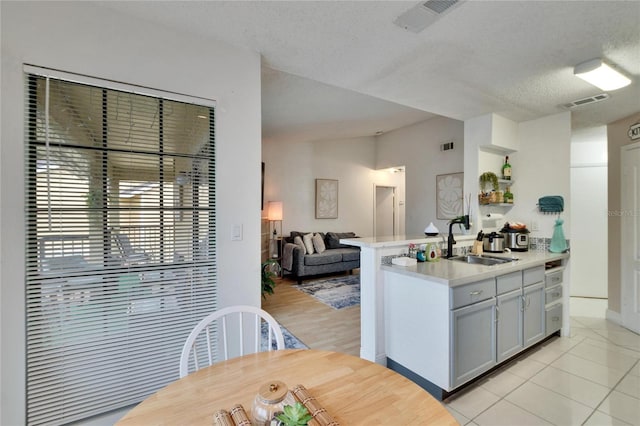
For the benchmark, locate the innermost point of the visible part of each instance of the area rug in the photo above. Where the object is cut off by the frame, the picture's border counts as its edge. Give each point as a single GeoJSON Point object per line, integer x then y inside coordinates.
{"type": "Point", "coordinates": [290, 341]}
{"type": "Point", "coordinates": [339, 293]}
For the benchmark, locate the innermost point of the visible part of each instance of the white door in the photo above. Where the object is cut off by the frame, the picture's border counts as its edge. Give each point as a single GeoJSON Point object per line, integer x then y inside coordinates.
{"type": "Point", "coordinates": [385, 211]}
{"type": "Point", "coordinates": [630, 249]}
{"type": "Point", "coordinates": [588, 231]}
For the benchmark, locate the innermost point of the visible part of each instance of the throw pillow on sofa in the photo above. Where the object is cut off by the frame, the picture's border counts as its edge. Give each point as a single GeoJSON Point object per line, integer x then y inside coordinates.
{"type": "Point", "coordinates": [318, 243]}
{"type": "Point", "coordinates": [333, 239]}
{"type": "Point", "coordinates": [298, 241]}
{"type": "Point", "coordinates": [308, 242]}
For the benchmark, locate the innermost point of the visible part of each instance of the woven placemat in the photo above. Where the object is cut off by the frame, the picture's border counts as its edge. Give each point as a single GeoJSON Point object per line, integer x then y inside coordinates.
{"type": "Point", "coordinates": [237, 416]}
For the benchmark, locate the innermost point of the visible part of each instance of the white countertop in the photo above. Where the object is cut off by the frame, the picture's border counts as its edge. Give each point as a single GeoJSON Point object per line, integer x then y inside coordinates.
{"type": "Point", "coordinates": [398, 240]}
{"type": "Point", "coordinates": [453, 272]}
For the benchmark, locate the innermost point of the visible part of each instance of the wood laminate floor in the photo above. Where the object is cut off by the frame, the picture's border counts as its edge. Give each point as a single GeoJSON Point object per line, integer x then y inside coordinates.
{"type": "Point", "coordinates": [317, 325]}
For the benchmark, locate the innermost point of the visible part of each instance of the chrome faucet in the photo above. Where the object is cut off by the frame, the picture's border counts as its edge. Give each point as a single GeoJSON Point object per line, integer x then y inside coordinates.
{"type": "Point", "coordinates": [464, 220]}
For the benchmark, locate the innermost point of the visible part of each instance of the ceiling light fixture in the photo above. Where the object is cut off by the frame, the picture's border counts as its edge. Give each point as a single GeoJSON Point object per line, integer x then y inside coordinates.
{"type": "Point", "coordinates": [601, 75]}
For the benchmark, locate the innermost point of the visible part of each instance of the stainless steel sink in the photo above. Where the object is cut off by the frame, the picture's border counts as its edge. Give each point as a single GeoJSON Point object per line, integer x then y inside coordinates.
{"type": "Point", "coordinates": [482, 260]}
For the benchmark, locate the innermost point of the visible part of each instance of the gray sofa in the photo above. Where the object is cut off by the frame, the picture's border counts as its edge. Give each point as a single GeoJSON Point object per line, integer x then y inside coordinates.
{"type": "Point", "coordinates": [335, 258]}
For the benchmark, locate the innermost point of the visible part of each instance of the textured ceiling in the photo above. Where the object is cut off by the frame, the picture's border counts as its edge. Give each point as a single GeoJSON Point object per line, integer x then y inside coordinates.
{"type": "Point", "coordinates": [514, 58]}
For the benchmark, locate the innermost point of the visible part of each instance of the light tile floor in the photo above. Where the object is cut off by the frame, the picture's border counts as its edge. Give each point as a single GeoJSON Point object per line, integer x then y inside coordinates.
{"type": "Point", "coordinates": [591, 378]}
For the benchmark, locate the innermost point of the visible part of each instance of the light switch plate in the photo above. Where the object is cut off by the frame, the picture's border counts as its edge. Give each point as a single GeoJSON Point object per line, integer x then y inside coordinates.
{"type": "Point", "coordinates": [236, 232]}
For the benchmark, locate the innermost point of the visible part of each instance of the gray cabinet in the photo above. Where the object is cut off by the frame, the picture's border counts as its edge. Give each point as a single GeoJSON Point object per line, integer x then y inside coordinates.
{"type": "Point", "coordinates": [534, 313]}
{"type": "Point", "coordinates": [473, 293]}
{"type": "Point", "coordinates": [493, 320]}
{"type": "Point", "coordinates": [460, 332]}
{"type": "Point", "coordinates": [553, 300]}
{"type": "Point", "coordinates": [520, 312]}
{"type": "Point", "coordinates": [473, 340]}
{"type": "Point", "coordinates": [509, 324]}
{"type": "Point", "coordinates": [553, 318]}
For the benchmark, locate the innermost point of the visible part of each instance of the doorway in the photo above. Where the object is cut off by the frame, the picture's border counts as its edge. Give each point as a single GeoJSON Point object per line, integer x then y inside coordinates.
{"type": "Point", "coordinates": [630, 232]}
{"type": "Point", "coordinates": [588, 177]}
{"type": "Point", "coordinates": [385, 211]}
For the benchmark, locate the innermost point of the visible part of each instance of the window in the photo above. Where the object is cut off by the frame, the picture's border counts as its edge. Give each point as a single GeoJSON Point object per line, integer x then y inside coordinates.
{"type": "Point", "coordinates": [120, 241]}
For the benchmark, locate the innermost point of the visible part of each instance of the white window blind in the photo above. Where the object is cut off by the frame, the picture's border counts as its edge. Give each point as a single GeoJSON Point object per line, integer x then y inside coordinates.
{"type": "Point", "coordinates": [120, 261]}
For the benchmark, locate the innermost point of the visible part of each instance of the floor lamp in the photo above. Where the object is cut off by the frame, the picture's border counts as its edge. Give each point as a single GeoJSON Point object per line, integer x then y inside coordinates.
{"type": "Point", "coordinates": [274, 216]}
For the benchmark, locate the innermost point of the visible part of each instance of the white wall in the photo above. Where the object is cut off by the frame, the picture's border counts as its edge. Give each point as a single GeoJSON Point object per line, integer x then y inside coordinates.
{"type": "Point", "coordinates": [86, 39]}
{"type": "Point", "coordinates": [417, 147]}
{"type": "Point", "coordinates": [541, 167]}
{"type": "Point", "coordinates": [291, 168]}
{"type": "Point", "coordinates": [589, 212]}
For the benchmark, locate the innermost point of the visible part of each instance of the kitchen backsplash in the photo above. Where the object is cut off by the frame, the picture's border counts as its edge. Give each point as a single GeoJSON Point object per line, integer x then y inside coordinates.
{"type": "Point", "coordinates": [541, 243]}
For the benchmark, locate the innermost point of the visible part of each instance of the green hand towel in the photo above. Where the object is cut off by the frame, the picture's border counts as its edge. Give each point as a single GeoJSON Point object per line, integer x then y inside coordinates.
{"type": "Point", "coordinates": [558, 241]}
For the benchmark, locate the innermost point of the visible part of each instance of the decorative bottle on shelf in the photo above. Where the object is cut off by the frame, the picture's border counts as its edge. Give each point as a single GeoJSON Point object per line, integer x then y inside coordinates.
{"type": "Point", "coordinates": [506, 169]}
{"type": "Point", "coordinates": [508, 196]}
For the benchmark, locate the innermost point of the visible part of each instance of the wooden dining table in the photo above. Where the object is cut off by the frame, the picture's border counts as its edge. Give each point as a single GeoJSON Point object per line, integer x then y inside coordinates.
{"type": "Point", "coordinates": [354, 391]}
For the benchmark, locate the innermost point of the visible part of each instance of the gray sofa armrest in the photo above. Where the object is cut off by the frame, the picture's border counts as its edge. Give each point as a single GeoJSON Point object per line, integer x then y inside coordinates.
{"type": "Point", "coordinates": [298, 258]}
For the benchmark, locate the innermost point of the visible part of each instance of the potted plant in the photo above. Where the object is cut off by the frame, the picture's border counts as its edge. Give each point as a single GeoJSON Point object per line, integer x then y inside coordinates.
{"type": "Point", "coordinates": [270, 269]}
{"type": "Point", "coordinates": [485, 179]}
{"type": "Point", "coordinates": [294, 415]}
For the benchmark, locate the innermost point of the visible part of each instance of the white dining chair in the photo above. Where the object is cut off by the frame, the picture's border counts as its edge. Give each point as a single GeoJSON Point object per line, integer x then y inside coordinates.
{"type": "Point", "coordinates": [201, 342]}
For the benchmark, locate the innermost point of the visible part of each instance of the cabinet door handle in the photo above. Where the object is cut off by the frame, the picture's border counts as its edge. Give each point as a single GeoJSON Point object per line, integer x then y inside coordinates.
{"type": "Point", "coordinates": [555, 294]}
{"type": "Point", "coordinates": [475, 293]}
{"type": "Point", "coordinates": [555, 319]}
{"type": "Point", "coordinates": [497, 313]}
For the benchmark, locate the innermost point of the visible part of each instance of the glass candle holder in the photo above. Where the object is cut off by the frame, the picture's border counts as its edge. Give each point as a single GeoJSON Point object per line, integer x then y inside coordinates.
{"type": "Point", "coordinates": [270, 401]}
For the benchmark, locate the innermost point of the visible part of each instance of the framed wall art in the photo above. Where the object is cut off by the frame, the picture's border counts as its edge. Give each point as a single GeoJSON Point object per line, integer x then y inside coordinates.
{"type": "Point", "coordinates": [326, 199]}
{"type": "Point", "coordinates": [449, 195]}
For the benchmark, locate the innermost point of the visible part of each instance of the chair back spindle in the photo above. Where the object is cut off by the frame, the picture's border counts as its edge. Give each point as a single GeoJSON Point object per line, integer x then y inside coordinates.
{"type": "Point", "coordinates": [215, 328]}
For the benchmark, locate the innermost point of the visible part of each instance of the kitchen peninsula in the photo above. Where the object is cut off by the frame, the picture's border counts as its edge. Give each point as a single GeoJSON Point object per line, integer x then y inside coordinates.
{"type": "Point", "coordinates": [444, 323]}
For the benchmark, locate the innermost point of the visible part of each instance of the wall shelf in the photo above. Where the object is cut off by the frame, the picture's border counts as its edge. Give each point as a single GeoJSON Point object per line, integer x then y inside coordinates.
{"type": "Point", "coordinates": [502, 183]}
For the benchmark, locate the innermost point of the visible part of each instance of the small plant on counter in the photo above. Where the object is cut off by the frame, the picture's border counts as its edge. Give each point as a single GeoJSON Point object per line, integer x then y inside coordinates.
{"type": "Point", "coordinates": [270, 270]}
{"type": "Point", "coordinates": [296, 415]}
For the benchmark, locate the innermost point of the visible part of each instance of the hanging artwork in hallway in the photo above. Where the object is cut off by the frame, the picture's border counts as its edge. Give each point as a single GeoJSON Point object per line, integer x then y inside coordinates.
{"type": "Point", "coordinates": [326, 199]}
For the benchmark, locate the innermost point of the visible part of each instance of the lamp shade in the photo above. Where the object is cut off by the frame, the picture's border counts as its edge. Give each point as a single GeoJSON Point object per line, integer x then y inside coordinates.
{"type": "Point", "coordinates": [601, 75]}
{"type": "Point", "coordinates": [274, 210]}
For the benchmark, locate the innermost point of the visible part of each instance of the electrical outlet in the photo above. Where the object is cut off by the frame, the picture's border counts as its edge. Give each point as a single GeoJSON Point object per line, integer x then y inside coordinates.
{"type": "Point", "coordinates": [534, 225]}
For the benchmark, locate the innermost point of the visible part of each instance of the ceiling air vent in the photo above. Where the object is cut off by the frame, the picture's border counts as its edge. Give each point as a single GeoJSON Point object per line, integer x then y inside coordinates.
{"type": "Point", "coordinates": [424, 14]}
{"type": "Point", "coordinates": [585, 101]}
{"type": "Point", "coordinates": [446, 146]}
{"type": "Point", "coordinates": [439, 6]}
